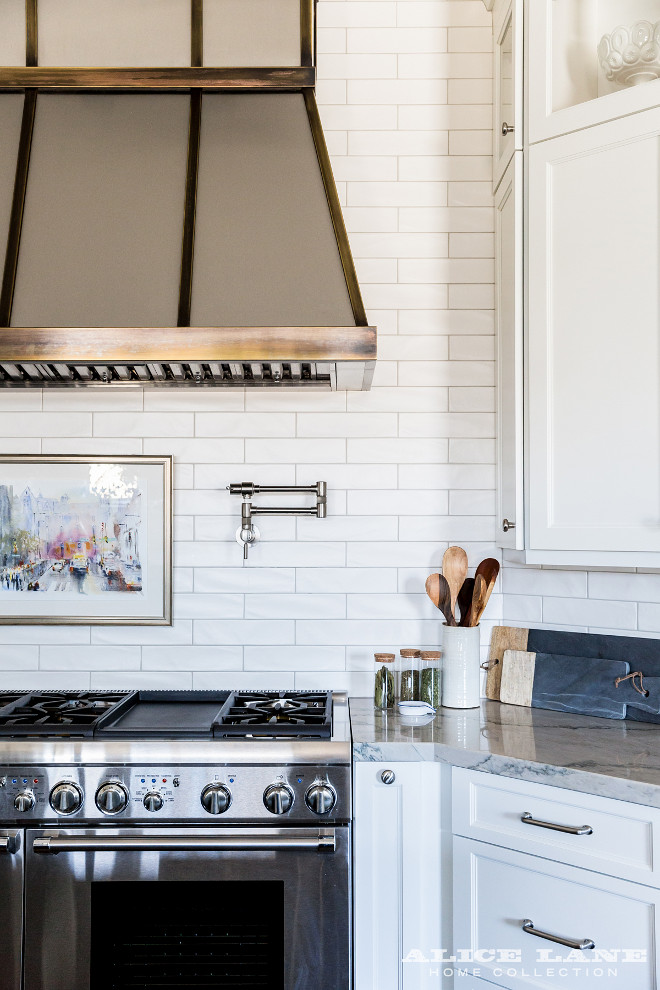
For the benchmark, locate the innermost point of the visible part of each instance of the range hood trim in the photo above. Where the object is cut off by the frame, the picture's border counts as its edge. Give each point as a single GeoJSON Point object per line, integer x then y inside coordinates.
{"type": "Point", "coordinates": [115, 345]}
{"type": "Point", "coordinates": [156, 79]}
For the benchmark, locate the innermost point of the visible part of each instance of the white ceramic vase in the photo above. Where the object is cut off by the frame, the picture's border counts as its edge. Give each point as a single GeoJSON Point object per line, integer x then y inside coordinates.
{"type": "Point", "coordinates": [460, 666]}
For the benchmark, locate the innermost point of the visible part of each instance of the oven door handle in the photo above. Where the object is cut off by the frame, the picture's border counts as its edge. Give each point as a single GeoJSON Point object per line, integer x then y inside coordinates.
{"type": "Point", "coordinates": [323, 841]}
{"type": "Point", "coordinates": [8, 844]}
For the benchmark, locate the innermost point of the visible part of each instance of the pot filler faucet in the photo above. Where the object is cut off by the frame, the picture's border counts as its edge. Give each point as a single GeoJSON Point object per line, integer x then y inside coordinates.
{"type": "Point", "coordinates": [247, 533]}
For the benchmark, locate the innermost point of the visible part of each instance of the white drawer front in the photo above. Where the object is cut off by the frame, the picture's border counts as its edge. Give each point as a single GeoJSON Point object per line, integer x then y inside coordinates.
{"type": "Point", "coordinates": [496, 890]}
{"type": "Point", "coordinates": [621, 841]}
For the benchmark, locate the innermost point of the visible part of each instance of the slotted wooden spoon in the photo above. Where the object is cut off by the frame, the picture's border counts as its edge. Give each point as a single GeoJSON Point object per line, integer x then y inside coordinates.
{"type": "Point", "coordinates": [454, 568]}
{"type": "Point", "coordinates": [438, 591]}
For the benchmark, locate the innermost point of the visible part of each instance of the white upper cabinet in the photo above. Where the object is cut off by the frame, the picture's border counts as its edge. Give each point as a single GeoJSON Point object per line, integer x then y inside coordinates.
{"type": "Point", "coordinates": [509, 315]}
{"type": "Point", "coordinates": [593, 343]}
{"type": "Point", "coordinates": [589, 61]}
{"type": "Point", "coordinates": [508, 77]}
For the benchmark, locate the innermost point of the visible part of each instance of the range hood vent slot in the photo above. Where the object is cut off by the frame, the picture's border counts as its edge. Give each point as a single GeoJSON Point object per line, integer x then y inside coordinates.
{"type": "Point", "coordinates": [252, 374]}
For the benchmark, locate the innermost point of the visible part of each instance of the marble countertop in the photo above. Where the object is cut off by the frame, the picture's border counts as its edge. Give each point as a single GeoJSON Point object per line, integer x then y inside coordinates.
{"type": "Point", "coordinates": [613, 758]}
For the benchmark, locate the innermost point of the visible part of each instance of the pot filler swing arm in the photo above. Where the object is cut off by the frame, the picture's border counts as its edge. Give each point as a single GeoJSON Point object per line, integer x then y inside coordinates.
{"type": "Point", "coordinates": [247, 533]}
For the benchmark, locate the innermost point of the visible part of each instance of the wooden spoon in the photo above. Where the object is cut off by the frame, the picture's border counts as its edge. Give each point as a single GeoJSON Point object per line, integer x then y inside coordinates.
{"type": "Point", "coordinates": [454, 568]}
{"type": "Point", "coordinates": [465, 601]}
{"type": "Point", "coordinates": [489, 568]}
{"type": "Point", "coordinates": [438, 591]}
{"type": "Point", "coordinates": [480, 598]}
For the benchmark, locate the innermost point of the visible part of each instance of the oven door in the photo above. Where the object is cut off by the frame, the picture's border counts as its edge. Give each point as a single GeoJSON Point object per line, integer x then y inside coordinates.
{"type": "Point", "coordinates": [113, 909]}
{"type": "Point", "coordinates": [11, 908]}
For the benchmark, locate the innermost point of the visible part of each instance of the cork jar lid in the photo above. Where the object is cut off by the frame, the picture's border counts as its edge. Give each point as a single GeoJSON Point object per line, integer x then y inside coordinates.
{"type": "Point", "coordinates": [410, 653]}
{"type": "Point", "coordinates": [384, 657]}
{"type": "Point", "coordinates": [431, 654]}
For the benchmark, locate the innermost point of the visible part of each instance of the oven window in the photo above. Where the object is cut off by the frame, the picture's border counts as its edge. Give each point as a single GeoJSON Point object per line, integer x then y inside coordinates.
{"type": "Point", "coordinates": [187, 934]}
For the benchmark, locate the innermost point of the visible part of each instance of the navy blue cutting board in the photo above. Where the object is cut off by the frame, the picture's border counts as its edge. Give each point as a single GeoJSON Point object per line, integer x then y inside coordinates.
{"type": "Point", "coordinates": [579, 684]}
{"type": "Point", "coordinates": [640, 653]}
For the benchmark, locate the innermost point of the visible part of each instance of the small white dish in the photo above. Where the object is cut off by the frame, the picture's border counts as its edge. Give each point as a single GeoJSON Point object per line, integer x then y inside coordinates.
{"type": "Point", "coordinates": [416, 712]}
{"type": "Point", "coordinates": [416, 708]}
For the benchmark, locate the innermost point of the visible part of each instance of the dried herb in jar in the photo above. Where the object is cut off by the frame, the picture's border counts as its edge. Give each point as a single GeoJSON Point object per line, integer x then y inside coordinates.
{"type": "Point", "coordinates": [431, 678]}
{"type": "Point", "coordinates": [409, 690]}
{"type": "Point", "coordinates": [384, 681]}
{"type": "Point", "coordinates": [409, 675]}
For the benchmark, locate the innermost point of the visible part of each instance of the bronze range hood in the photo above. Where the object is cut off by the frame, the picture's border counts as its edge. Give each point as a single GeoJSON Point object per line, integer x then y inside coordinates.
{"type": "Point", "coordinates": [174, 226]}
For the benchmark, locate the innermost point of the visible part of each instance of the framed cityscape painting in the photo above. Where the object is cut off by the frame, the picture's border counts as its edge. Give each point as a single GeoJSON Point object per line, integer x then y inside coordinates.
{"type": "Point", "coordinates": [85, 540]}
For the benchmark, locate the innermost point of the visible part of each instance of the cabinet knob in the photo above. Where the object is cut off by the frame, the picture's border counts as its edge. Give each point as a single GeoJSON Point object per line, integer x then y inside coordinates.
{"type": "Point", "coordinates": [507, 129]}
{"type": "Point", "coordinates": [388, 776]}
{"type": "Point", "coordinates": [506, 525]}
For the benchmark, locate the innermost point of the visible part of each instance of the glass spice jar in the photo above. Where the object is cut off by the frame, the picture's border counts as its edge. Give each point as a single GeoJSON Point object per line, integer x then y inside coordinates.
{"type": "Point", "coordinates": [430, 681]}
{"type": "Point", "coordinates": [383, 681]}
{"type": "Point", "coordinates": [408, 675]}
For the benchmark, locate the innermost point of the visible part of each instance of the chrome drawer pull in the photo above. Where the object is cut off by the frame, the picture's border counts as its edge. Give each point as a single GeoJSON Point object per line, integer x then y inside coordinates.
{"type": "Point", "coordinates": [571, 943]}
{"type": "Point", "coordinates": [323, 841]}
{"type": "Point", "coordinates": [526, 819]}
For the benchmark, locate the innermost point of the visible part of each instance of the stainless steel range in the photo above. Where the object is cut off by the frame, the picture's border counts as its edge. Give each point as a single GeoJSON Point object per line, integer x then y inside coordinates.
{"type": "Point", "coordinates": [174, 839]}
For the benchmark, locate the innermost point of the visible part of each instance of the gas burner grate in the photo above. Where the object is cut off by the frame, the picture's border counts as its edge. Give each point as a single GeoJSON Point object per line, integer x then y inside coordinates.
{"type": "Point", "coordinates": [297, 713]}
{"type": "Point", "coordinates": [56, 713]}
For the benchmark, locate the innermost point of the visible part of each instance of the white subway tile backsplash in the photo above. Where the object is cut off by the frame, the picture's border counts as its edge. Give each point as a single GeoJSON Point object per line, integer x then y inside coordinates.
{"type": "Point", "coordinates": [447, 425]}
{"type": "Point", "coordinates": [45, 424]}
{"type": "Point", "coordinates": [383, 40]}
{"type": "Point", "coordinates": [139, 424]}
{"type": "Point", "coordinates": [405, 93]}
{"type": "Point", "coordinates": [243, 632]}
{"type": "Point", "coordinates": [192, 658]}
{"type": "Point", "coordinates": [21, 657]}
{"type": "Point", "coordinates": [587, 612]}
{"type": "Point", "coordinates": [317, 580]}
{"type": "Point", "coordinates": [552, 582]}
{"type": "Point", "coordinates": [84, 658]}
{"type": "Point", "coordinates": [298, 658]}
{"type": "Point", "coordinates": [245, 424]}
{"type": "Point", "coordinates": [199, 606]}
{"type": "Point", "coordinates": [296, 606]}
{"type": "Point", "coordinates": [451, 65]}
{"type": "Point", "coordinates": [399, 450]}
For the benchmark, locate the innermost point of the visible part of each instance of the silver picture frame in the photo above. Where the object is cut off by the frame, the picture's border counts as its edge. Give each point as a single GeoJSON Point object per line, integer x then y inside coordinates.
{"type": "Point", "coordinates": [85, 540]}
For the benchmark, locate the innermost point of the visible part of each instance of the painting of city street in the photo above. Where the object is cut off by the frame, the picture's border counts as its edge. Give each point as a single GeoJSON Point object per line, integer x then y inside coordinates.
{"type": "Point", "coordinates": [77, 537]}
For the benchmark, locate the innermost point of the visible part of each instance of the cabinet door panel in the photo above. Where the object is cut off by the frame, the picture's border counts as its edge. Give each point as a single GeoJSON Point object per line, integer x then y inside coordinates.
{"type": "Point", "coordinates": [566, 87]}
{"type": "Point", "coordinates": [509, 315]}
{"type": "Point", "coordinates": [507, 104]}
{"type": "Point", "coordinates": [496, 891]}
{"type": "Point", "coordinates": [593, 340]}
{"type": "Point", "coordinates": [397, 853]}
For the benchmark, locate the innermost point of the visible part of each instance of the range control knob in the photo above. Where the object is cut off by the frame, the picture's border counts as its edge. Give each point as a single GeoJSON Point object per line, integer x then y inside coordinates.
{"type": "Point", "coordinates": [320, 798]}
{"type": "Point", "coordinates": [216, 798]}
{"type": "Point", "coordinates": [24, 801]}
{"type": "Point", "coordinates": [66, 798]}
{"type": "Point", "coordinates": [278, 799]}
{"type": "Point", "coordinates": [111, 798]}
{"type": "Point", "coordinates": [153, 801]}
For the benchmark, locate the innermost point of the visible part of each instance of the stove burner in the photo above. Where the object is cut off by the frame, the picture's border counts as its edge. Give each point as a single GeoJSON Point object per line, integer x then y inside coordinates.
{"type": "Point", "coordinates": [53, 710]}
{"type": "Point", "coordinates": [302, 714]}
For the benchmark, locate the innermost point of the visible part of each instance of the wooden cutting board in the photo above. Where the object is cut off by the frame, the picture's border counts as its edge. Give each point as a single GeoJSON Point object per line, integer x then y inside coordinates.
{"type": "Point", "coordinates": [565, 684]}
{"type": "Point", "coordinates": [502, 638]}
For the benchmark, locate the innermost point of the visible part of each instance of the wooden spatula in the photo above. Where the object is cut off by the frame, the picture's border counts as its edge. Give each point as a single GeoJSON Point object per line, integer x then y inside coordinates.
{"type": "Point", "coordinates": [454, 568]}
{"type": "Point", "coordinates": [465, 601]}
{"type": "Point", "coordinates": [438, 591]}
{"type": "Point", "coordinates": [480, 598]}
{"type": "Point", "coordinates": [489, 568]}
